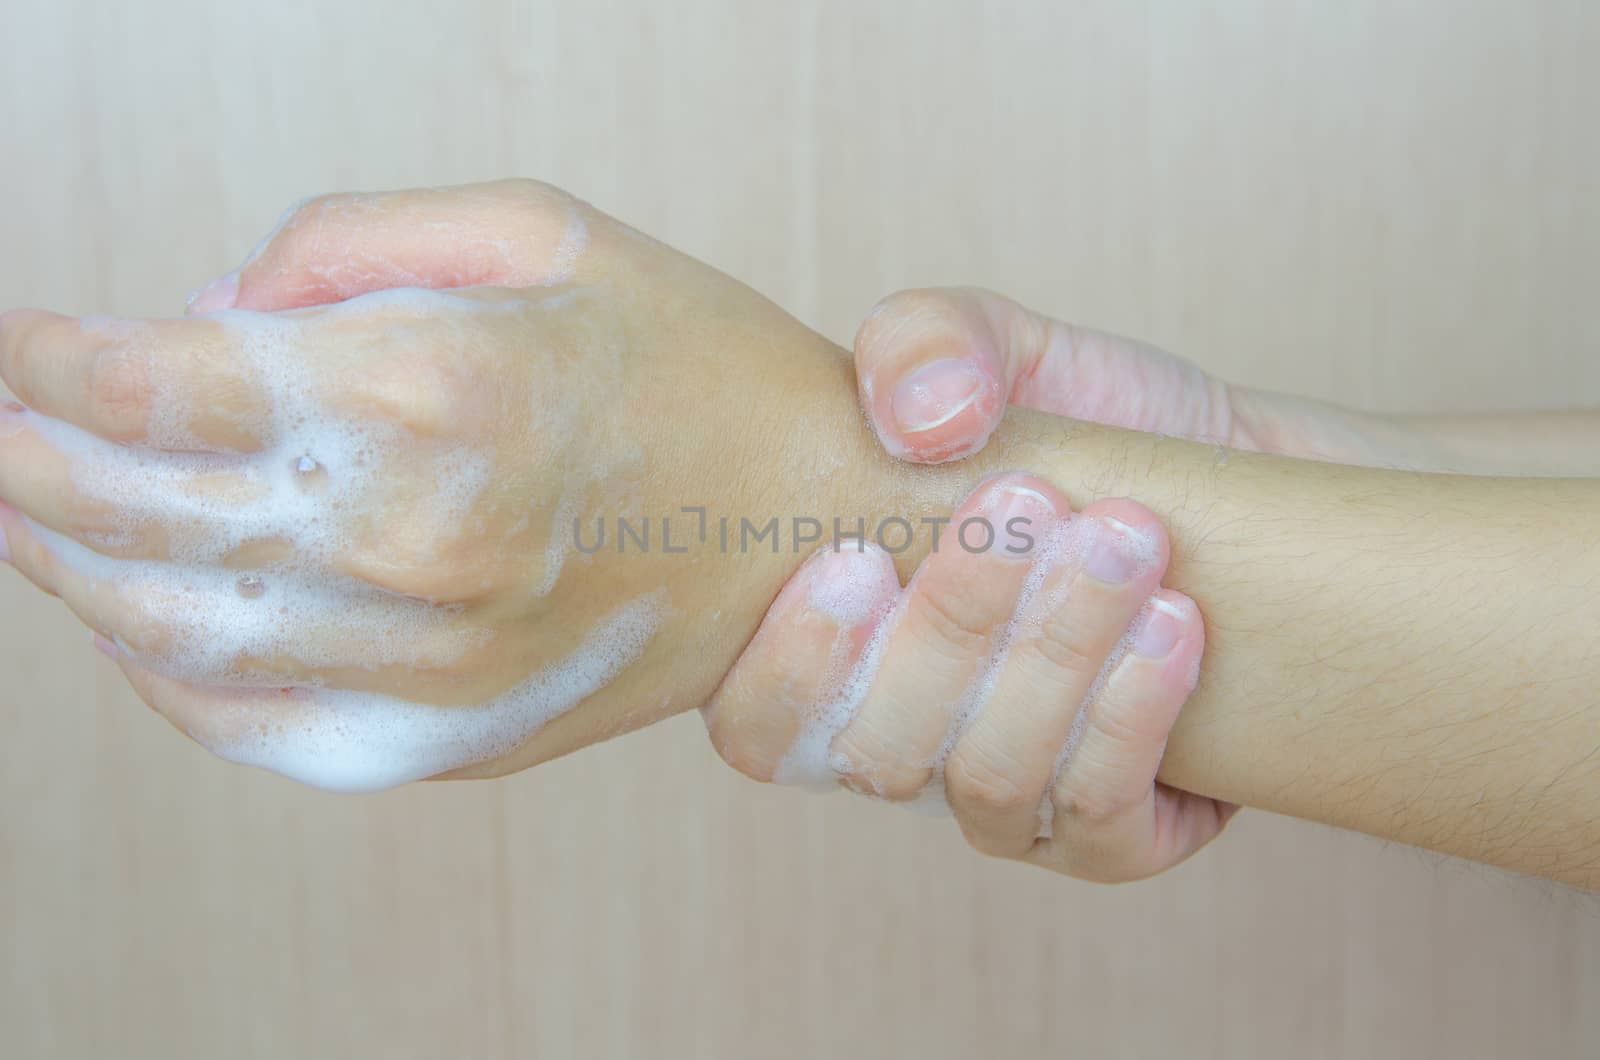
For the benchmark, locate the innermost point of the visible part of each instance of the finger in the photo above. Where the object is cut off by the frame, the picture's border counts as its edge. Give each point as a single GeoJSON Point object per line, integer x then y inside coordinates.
{"type": "Point", "coordinates": [932, 374]}
{"type": "Point", "coordinates": [1111, 820]}
{"type": "Point", "coordinates": [1090, 589]}
{"type": "Point", "coordinates": [511, 233]}
{"type": "Point", "coordinates": [126, 502]}
{"type": "Point", "coordinates": [277, 728]}
{"type": "Point", "coordinates": [214, 625]}
{"type": "Point", "coordinates": [170, 384]}
{"type": "Point", "coordinates": [338, 740]}
{"type": "Point", "coordinates": [943, 635]}
{"type": "Point", "coordinates": [797, 684]}
{"type": "Point", "coordinates": [936, 368]}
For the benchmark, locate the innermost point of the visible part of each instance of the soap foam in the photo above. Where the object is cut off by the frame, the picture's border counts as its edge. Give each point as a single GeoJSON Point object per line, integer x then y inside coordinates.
{"type": "Point", "coordinates": [299, 492]}
{"type": "Point", "coordinates": [214, 617]}
{"type": "Point", "coordinates": [360, 741]}
{"type": "Point", "coordinates": [854, 588]}
{"type": "Point", "coordinates": [300, 497]}
{"type": "Point", "coordinates": [214, 503]}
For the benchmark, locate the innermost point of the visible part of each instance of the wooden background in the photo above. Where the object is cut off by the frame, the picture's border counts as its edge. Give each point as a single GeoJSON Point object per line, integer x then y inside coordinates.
{"type": "Point", "coordinates": [1390, 204]}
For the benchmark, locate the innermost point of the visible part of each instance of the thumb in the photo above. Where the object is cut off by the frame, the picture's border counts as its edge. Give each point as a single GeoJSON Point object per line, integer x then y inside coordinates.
{"type": "Point", "coordinates": [335, 247]}
{"type": "Point", "coordinates": [937, 367]}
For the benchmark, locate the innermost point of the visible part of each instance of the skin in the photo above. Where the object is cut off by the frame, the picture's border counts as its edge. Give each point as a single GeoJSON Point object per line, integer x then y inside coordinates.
{"type": "Point", "coordinates": [1350, 611]}
{"type": "Point", "coordinates": [968, 614]}
{"type": "Point", "coordinates": [1011, 751]}
{"type": "Point", "coordinates": [936, 369]}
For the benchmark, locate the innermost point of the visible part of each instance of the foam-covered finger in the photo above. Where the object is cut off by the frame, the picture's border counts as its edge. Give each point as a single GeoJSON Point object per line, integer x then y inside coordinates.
{"type": "Point", "coordinates": [795, 686]}
{"type": "Point", "coordinates": [338, 740]}
{"type": "Point", "coordinates": [1110, 819]}
{"type": "Point", "coordinates": [169, 384]}
{"type": "Point", "coordinates": [121, 501]}
{"type": "Point", "coordinates": [28, 550]}
{"type": "Point", "coordinates": [1090, 582]}
{"type": "Point", "coordinates": [513, 233]}
{"type": "Point", "coordinates": [211, 624]}
{"type": "Point", "coordinates": [944, 635]}
{"type": "Point", "coordinates": [245, 725]}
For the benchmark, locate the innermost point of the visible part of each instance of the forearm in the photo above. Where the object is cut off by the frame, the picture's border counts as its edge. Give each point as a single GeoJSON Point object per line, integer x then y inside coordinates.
{"type": "Point", "coordinates": [1403, 654]}
{"type": "Point", "coordinates": [1399, 653]}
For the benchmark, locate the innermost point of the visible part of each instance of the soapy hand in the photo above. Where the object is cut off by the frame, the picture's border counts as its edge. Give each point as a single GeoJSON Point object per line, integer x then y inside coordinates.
{"type": "Point", "coordinates": [303, 533]}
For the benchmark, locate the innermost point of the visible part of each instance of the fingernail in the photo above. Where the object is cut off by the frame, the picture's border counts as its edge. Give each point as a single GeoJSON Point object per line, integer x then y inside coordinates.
{"type": "Point", "coordinates": [1116, 552]}
{"type": "Point", "coordinates": [1019, 516]}
{"type": "Point", "coordinates": [1160, 630]}
{"type": "Point", "coordinates": [105, 647]}
{"type": "Point", "coordinates": [935, 394]}
{"type": "Point", "coordinates": [220, 293]}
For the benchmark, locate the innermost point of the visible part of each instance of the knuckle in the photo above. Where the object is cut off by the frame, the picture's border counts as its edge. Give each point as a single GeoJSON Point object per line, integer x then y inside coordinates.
{"type": "Point", "coordinates": [993, 846]}
{"type": "Point", "coordinates": [410, 561]}
{"type": "Point", "coordinates": [302, 222]}
{"type": "Point", "coordinates": [16, 327]}
{"type": "Point", "coordinates": [870, 767]}
{"type": "Point", "coordinates": [37, 563]}
{"type": "Point", "coordinates": [420, 393]}
{"type": "Point", "coordinates": [119, 388]}
{"type": "Point", "coordinates": [318, 210]}
{"type": "Point", "coordinates": [953, 616]}
{"type": "Point", "coordinates": [93, 523]}
{"type": "Point", "coordinates": [305, 226]}
{"type": "Point", "coordinates": [1093, 804]}
{"type": "Point", "coordinates": [985, 781]}
{"type": "Point", "coordinates": [1123, 727]}
{"type": "Point", "coordinates": [733, 743]}
{"type": "Point", "coordinates": [1061, 645]}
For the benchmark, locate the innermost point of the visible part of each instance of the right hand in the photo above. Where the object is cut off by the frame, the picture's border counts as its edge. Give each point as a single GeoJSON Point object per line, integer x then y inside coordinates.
{"type": "Point", "coordinates": [1022, 690]}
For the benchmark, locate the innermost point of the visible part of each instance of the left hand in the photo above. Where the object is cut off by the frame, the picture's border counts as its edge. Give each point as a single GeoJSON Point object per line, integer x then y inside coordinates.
{"type": "Point", "coordinates": [336, 540]}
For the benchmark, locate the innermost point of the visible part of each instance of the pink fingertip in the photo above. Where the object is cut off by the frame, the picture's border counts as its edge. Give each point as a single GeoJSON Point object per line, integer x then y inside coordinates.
{"type": "Point", "coordinates": [105, 647]}
{"type": "Point", "coordinates": [221, 293]}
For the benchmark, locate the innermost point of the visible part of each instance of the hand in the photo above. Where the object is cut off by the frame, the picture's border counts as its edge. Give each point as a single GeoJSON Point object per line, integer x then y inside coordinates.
{"type": "Point", "coordinates": [334, 249]}
{"type": "Point", "coordinates": [1030, 684]}
{"type": "Point", "coordinates": [299, 534]}
{"type": "Point", "coordinates": [936, 369]}
{"type": "Point", "coordinates": [1040, 717]}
